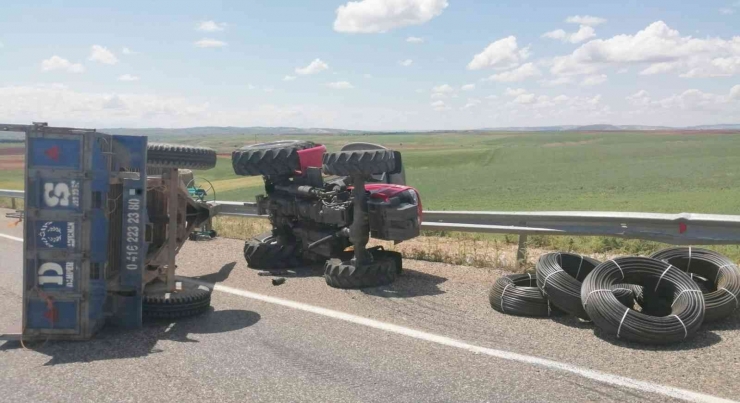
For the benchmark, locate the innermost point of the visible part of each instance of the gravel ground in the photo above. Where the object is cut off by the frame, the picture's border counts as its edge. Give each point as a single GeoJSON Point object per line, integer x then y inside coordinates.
{"type": "Point", "coordinates": [256, 351]}
{"type": "Point", "coordinates": [453, 301]}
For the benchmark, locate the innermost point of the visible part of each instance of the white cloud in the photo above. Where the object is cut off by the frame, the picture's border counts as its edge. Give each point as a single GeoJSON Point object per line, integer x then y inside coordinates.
{"type": "Point", "coordinates": [726, 11]}
{"type": "Point", "coordinates": [561, 98]}
{"type": "Point", "coordinates": [289, 78]}
{"type": "Point", "coordinates": [316, 66]}
{"type": "Point", "coordinates": [367, 75]}
{"type": "Point", "coordinates": [690, 102]}
{"type": "Point", "coordinates": [251, 87]}
{"type": "Point", "coordinates": [735, 92]}
{"type": "Point", "coordinates": [468, 87]}
{"type": "Point", "coordinates": [513, 92]}
{"type": "Point", "coordinates": [211, 26]}
{"type": "Point", "coordinates": [442, 91]}
{"type": "Point", "coordinates": [584, 32]}
{"type": "Point", "coordinates": [594, 80]}
{"type": "Point", "coordinates": [585, 20]}
{"type": "Point", "coordinates": [525, 99]}
{"type": "Point", "coordinates": [440, 106]}
{"type": "Point", "coordinates": [406, 63]}
{"type": "Point", "coordinates": [658, 68]}
{"type": "Point", "coordinates": [520, 73]}
{"type": "Point", "coordinates": [492, 97]}
{"type": "Point", "coordinates": [556, 34]}
{"type": "Point", "coordinates": [373, 16]}
{"type": "Point", "coordinates": [340, 85]}
{"type": "Point", "coordinates": [101, 54]}
{"type": "Point", "coordinates": [503, 54]}
{"type": "Point", "coordinates": [640, 98]}
{"type": "Point", "coordinates": [414, 39]}
{"type": "Point", "coordinates": [210, 43]}
{"type": "Point", "coordinates": [58, 63]}
{"type": "Point", "coordinates": [717, 67]}
{"type": "Point", "coordinates": [622, 71]}
{"type": "Point", "coordinates": [58, 103]}
{"type": "Point", "coordinates": [472, 102]}
{"type": "Point", "coordinates": [127, 51]}
{"type": "Point", "coordinates": [268, 90]}
{"type": "Point", "coordinates": [128, 77]}
{"type": "Point", "coordinates": [557, 81]}
{"type": "Point", "coordinates": [658, 46]}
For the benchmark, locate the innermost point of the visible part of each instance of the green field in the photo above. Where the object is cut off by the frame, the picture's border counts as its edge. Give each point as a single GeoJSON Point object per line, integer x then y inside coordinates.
{"type": "Point", "coordinates": [608, 171]}
{"type": "Point", "coordinates": [616, 171]}
{"type": "Point", "coordinates": [612, 171]}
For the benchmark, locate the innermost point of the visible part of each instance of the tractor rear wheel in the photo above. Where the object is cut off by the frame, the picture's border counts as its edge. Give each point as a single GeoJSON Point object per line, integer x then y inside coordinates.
{"type": "Point", "coordinates": [264, 252]}
{"type": "Point", "coordinates": [162, 155]}
{"type": "Point", "coordinates": [359, 162]}
{"type": "Point", "coordinates": [383, 270]}
{"type": "Point", "coordinates": [273, 158]}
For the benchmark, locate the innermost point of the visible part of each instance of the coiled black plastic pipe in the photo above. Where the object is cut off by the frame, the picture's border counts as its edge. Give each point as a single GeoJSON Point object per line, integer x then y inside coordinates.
{"type": "Point", "coordinates": [517, 294]}
{"type": "Point", "coordinates": [559, 276]}
{"type": "Point", "coordinates": [599, 302]}
{"type": "Point", "coordinates": [715, 271]}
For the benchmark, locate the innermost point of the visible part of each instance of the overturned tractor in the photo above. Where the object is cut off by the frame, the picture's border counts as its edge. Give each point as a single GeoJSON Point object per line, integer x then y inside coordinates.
{"type": "Point", "coordinates": [318, 219]}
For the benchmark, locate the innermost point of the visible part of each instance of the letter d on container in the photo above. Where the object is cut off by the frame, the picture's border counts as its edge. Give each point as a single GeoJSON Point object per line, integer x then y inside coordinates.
{"type": "Point", "coordinates": [57, 279]}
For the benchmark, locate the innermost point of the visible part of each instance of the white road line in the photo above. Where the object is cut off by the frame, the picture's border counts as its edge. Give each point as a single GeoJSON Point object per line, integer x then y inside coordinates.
{"type": "Point", "coordinates": [599, 376]}
{"type": "Point", "coordinates": [13, 238]}
{"type": "Point", "coordinates": [615, 380]}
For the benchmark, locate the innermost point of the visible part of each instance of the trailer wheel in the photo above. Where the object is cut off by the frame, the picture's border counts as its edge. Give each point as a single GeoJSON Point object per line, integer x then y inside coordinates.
{"type": "Point", "coordinates": [162, 155]}
{"type": "Point", "coordinates": [343, 274]}
{"type": "Point", "coordinates": [190, 301]}
{"type": "Point", "coordinates": [264, 252]}
{"type": "Point", "coordinates": [359, 162]}
{"type": "Point", "coordinates": [273, 158]}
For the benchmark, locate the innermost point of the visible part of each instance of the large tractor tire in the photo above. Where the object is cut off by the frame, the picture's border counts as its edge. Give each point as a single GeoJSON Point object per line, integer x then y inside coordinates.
{"type": "Point", "coordinates": [264, 252]}
{"type": "Point", "coordinates": [359, 162]}
{"type": "Point", "coordinates": [382, 271]}
{"type": "Point", "coordinates": [161, 155]}
{"type": "Point", "coordinates": [191, 300]}
{"type": "Point", "coordinates": [266, 159]}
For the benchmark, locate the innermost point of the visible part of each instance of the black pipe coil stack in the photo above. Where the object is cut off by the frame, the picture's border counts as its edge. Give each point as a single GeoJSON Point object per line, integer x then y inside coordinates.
{"type": "Point", "coordinates": [717, 276]}
{"type": "Point", "coordinates": [599, 302]}
{"type": "Point", "coordinates": [517, 294]}
{"type": "Point", "coordinates": [559, 276]}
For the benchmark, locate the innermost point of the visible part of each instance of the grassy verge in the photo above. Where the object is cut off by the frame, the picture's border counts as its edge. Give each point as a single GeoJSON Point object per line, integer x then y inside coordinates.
{"type": "Point", "coordinates": [484, 250]}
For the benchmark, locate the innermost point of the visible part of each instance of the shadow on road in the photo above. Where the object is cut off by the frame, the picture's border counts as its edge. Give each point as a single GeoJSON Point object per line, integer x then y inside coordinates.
{"type": "Point", "coordinates": [113, 343]}
{"type": "Point", "coordinates": [703, 338]}
{"type": "Point", "coordinates": [220, 276]}
{"type": "Point", "coordinates": [410, 284]}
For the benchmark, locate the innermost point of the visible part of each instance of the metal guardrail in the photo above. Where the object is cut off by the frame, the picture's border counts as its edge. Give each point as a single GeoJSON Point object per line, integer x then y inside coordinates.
{"type": "Point", "coordinates": [677, 229]}
{"type": "Point", "coordinates": [12, 194]}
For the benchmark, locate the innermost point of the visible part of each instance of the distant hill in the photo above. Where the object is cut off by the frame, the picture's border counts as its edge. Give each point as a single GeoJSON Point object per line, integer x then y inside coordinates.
{"type": "Point", "coordinates": [296, 131]}
{"type": "Point", "coordinates": [227, 130]}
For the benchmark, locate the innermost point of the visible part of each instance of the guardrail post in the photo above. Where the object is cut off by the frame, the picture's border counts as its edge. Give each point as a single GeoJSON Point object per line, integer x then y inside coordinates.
{"type": "Point", "coordinates": [12, 203]}
{"type": "Point", "coordinates": [521, 251]}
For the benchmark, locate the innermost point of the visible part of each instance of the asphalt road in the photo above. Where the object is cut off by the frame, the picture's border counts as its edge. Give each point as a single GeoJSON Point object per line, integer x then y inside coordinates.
{"type": "Point", "coordinates": [255, 349]}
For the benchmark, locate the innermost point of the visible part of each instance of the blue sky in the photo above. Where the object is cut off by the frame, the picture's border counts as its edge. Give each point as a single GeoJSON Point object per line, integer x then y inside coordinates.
{"type": "Point", "coordinates": [371, 64]}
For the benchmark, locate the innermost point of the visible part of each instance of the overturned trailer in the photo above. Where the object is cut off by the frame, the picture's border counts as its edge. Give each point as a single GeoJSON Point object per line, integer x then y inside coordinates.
{"type": "Point", "coordinates": [105, 216]}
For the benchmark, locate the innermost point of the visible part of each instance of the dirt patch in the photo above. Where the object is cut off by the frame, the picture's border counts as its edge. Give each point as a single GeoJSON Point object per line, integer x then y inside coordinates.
{"type": "Point", "coordinates": [692, 132]}
{"type": "Point", "coordinates": [12, 161]}
{"type": "Point", "coordinates": [12, 151]}
{"type": "Point", "coordinates": [570, 143]}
